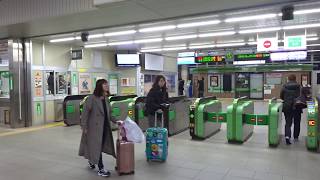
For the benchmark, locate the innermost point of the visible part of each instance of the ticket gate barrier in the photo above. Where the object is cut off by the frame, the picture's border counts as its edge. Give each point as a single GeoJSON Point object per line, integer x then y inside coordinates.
{"type": "Point", "coordinates": [136, 111]}
{"type": "Point", "coordinates": [119, 107]}
{"type": "Point", "coordinates": [71, 109]}
{"type": "Point", "coordinates": [202, 123]}
{"type": "Point", "coordinates": [175, 118]}
{"type": "Point", "coordinates": [241, 121]}
{"type": "Point", "coordinates": [313, 125]}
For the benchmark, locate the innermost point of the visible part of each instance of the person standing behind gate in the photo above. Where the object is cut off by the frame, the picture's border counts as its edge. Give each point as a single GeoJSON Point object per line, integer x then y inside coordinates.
{"type": "Point", "coordinates": [96, 130]}
{"type": "Point", "coordinates": [201, 88]}
{"type": "Point", "coordinates": [157, 95]}
{"type": "Point", "coordinates": [289, 93]}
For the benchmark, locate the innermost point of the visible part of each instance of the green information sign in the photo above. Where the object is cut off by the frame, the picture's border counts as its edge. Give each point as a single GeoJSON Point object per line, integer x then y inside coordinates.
{"type": "Point", "coordinates": [294, 42]}
{"type": "Point", "coordinates": [38, 108]}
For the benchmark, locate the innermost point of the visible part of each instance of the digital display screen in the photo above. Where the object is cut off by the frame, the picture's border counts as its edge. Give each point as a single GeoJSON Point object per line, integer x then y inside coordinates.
{"type": "Point", "coordinates": [127, 59]}
{"type": "Point", "coordinates": [286, 56]}
{"type": "Point", "coordinates": [210, 59]}
{"type": "Point", "coordinates": [249, 57]}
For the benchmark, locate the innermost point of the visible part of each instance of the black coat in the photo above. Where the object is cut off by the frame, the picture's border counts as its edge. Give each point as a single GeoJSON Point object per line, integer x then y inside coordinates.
{"type": "Point", "coordinates": [155, 98]}
{"type": "Point", "coordinates": [289, 93]}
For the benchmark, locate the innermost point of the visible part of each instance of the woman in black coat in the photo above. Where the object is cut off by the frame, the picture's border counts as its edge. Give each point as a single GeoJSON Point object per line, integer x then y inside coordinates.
{"type": "Point", "coordinates": [157, 95]}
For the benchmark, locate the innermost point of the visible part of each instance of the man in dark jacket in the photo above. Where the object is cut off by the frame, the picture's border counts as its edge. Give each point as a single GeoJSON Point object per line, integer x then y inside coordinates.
{"type": "Point", "coordinates": [201, 88]}
{"type": "Point", "coordinates": [289, 93]}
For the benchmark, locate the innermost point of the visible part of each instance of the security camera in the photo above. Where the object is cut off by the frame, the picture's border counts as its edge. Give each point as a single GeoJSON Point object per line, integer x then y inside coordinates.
{"type": "Point", "coordinates": [84, 36]}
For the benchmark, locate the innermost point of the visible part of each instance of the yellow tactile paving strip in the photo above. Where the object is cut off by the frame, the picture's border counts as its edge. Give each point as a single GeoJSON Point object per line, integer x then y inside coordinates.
{"type": "Point", "coordinates": [31, 129]}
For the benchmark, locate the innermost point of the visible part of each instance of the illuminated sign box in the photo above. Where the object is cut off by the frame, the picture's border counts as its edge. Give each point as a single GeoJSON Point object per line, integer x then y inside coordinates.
{"type": "Point", "coordinates": [251, 57]}
{"type": "Point", "coordinates": [287, 56]}
{"type": "Point", "coordinates": [295, 42]}
{"type": "Point", "coordinates": [209, 59]}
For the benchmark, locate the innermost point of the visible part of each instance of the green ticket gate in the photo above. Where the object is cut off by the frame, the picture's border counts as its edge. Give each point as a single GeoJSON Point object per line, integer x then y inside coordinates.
{"type": "Point", "coordinates": [205, 117]}
{"type": "Point", "coordinates": [72, 110]}
{"type": "Point", "coordinates": [119, 107]}
{"type": "Point", "coordinates": [136, 112]}
{"type": "Point", "coordinates": [241, 121]}
{"type": "Point", "coordinates": [313, 126]}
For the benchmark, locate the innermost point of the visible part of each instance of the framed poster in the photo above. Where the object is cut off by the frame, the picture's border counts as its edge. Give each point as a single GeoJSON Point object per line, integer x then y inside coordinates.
{"type": "Point", "coordinates": [38, 83]}
{"type": "Point", "coordinates": [214, 81]}
{"type": "Point", "coordinates": [84, 83]}
{"type": "Point", "coordinates": [304, 80]}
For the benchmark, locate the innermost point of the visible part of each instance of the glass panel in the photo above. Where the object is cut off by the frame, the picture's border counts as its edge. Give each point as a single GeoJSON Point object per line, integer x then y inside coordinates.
{"type": "Point", "coordinates": [49, 82]}
{"type": "Point", "coordinates": [256, 86]}
{"type": "Point", "coordinates": [61, 83]}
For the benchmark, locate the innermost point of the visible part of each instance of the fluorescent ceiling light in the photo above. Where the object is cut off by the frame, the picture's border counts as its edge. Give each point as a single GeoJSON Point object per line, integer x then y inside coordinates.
{"type": "Point", "coordinates": [120, 43]}
{"type": "Point", "coordinates": [195, 24]}
{"type": "Point", "coordinates": [119, 33]}
{"type": "Point", "coordinates": [307, 11]}
{"type": "Point", "coordinates": [174, 48]}
{"type": "Point", "coordinates": [226, 33]}
{"type": "Point", "coordinates": [301, 26]}
{"type": "Point", "coordinates": [148, 40]}
{"type": "Point", "coordinates": [96, 36]}
{"type": "Point", "coordinates": [181, 37]}
{"type": "Point", "coordinates": [96, 45]}
{"type": "Point", "coordinates": [249, 18]}
{"type": "Point", "coordinates": [259, 30]}
{"type": "Point", "coordinates": [252, 43]}
{"type": "Point", "coordinates": [151, 50]}
{"type": "Point", "coordinates": [313, 50]}
{"type": "Point", "coordinates": [63, 39]}
{"type": "Point", "coordinates": [230, 44]}
{"type": "Point", "coordinates": [313, 39]}
{"type": "Point", "coordinates": [157, 28]}
{"type": "Point", "coordinates": [202, 46]}
{"type": "Point", "coordinates": [310, 45]}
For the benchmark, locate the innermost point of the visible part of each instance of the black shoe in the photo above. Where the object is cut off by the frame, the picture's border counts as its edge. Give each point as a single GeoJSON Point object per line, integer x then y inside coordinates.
{"type": "Point", "coordinates": [103, 173]}
{"type": "Point", "coordinates": [296, 139]}
{"type": "Point", "coordinates": [288, 141]}
{"type": "Point", "coordinates": [91, 166]}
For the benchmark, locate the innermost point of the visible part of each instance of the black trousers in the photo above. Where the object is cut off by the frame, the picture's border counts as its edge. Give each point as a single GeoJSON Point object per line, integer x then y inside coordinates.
{"type": "Point", "coordinates": [200, 94]}
{"type": "Point", "coordinates": [295, 117]}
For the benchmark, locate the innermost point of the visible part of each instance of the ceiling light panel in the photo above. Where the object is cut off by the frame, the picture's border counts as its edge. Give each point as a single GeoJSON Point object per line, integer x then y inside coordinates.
{"type": "Point", "coordinates": [196, 24]}
{"type": "Point", "coordinates": [249, 18]}
{"type": "Point", "coordinates": [303, 26]}
{"type": "Point", "coordinates": [306, 11]}
{"type": "Point", "coordinates": [202, 46]}
{"type": "Point", "coordinates": [174, 48]}
{"type": "Point", "coordinates": [157, 28]}
{"type": "Point", "coordinates": [151, 50]}
{"type": "Point", "coordinates": [93, 36]}
{"type": "Point", "coordinates": [248, 31]}
{"type": "Point", "coordinates": [226, 33]}
{"type": "Point", "coordinates": [120, 43]}
{"type": "Point", "coordinates": [119, 33]}
{"type": "Point", "coordinates": [230, 44]}
{"type": "Point", "coordinates": [63, 39]}
{"type": "Point", "coordinates": [95, 45]}
{"type": "Point", "coordinates": [191, 36]}
{"type": "Point", "coordinates": [148, 40]}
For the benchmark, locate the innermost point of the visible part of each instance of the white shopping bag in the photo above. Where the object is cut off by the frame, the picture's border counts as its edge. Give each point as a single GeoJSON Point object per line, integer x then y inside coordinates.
{"type": "Point", "coordinates": [133, 131]}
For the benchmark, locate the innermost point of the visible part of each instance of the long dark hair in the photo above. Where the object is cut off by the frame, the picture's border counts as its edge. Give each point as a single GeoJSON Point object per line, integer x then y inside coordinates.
{"type": "Point", "coordinates": [98, 91]}
{"type": "Point", "coordinates": [156, 83]}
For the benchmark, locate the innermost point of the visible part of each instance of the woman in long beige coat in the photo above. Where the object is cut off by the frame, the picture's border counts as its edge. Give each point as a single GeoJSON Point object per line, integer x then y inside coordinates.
{"type": "Point", "coordinates": [96, 130]}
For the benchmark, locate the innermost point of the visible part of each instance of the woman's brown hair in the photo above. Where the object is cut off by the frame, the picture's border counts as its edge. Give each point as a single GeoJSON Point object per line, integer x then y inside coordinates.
{"type": "Point", "coordinates": [98, 91]}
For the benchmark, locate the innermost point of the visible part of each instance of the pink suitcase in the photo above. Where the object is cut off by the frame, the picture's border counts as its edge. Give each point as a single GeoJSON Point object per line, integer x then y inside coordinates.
{"type": "Point", "coordinates": [125, 156]}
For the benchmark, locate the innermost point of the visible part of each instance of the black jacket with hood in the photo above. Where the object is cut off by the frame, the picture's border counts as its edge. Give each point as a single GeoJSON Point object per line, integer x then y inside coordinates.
{"type": "Point", "coordinates": [155, 98]}
{"type": "Point", "coordinates": [289, 93]}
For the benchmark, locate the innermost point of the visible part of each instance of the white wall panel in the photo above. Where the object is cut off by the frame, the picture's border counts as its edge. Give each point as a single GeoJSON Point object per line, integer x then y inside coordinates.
{"type": "Point", "coordinates": [19, 11]}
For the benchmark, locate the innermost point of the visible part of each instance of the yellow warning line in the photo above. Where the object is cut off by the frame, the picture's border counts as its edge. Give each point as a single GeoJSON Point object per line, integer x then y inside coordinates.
{"type": "Point", "coordinates": [31, 129]}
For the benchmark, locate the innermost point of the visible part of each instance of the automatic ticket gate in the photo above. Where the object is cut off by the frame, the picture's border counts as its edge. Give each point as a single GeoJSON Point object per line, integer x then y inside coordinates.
{"type": "Point", "coordinates": [119, 107]}
{"type": "Point", "coordinates": [240, 119]}
{"type": "Point", "coordinates": [313, 125]}
{"type": "Point", "coordinates": [175, 116]}
{"type": "Point", "coordinates": [71, 109]}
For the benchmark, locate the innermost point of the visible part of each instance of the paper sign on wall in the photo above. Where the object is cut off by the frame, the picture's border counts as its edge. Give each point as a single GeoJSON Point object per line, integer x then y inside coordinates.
{"type": "Point", "coordinates": [38, 84]}
{"type": "Point", "coordinates": [84, 83]}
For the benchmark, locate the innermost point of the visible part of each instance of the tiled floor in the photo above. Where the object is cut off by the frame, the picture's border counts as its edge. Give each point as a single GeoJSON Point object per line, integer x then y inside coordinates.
{"type": "Point", "coordinates": [51, 154]}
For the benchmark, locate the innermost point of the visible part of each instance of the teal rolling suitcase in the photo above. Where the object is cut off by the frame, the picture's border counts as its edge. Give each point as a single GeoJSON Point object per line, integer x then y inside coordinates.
{"type": "Point", "coordinates": [157, 141]}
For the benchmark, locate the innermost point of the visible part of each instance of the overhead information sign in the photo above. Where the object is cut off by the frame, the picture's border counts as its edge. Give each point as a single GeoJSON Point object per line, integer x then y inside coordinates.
{"type": "Point", "coordinates": [267, 44]}
{"type": "Point", "coordinates": [295, 42]}
{"type": "Point", "coordinates": [209, 59]}
{"type": "Point", "coordinates": [287, 56]}
{"type": "Point", "coordinates": [250, 57]}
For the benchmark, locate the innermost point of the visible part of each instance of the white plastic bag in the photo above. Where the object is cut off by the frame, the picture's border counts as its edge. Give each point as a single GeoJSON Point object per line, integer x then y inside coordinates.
{"type": "Point", "coordinates": [133, 131]}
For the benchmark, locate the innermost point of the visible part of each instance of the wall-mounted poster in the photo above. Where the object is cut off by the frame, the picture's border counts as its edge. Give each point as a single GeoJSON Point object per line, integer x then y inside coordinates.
{"type": "Point", "coordinates": [304, 80]}
{"type": "Point", "coordinates": [171, 83]}
{"type": "Point", "coordinates": [214, 81]}
{"type": "Point", "coordinates": [84, 83]}
{"type": "Point", "coordinates": [38, 83]}
{"type": "Point", "coordinates": [124, 81]}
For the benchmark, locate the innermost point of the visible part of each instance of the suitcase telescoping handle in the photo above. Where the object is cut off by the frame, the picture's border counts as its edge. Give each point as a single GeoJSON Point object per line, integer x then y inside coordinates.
{"type": "Point", "coordinates": [159, 111]}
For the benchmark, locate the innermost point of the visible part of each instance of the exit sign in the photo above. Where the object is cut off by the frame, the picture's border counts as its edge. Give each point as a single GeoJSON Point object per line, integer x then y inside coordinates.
{"type": "Point", "coordinates": [295, 42]}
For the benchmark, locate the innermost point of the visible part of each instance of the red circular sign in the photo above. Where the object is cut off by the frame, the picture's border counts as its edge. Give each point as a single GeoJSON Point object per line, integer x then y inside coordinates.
{"type": "Point", "coordinates": [267, 44]}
